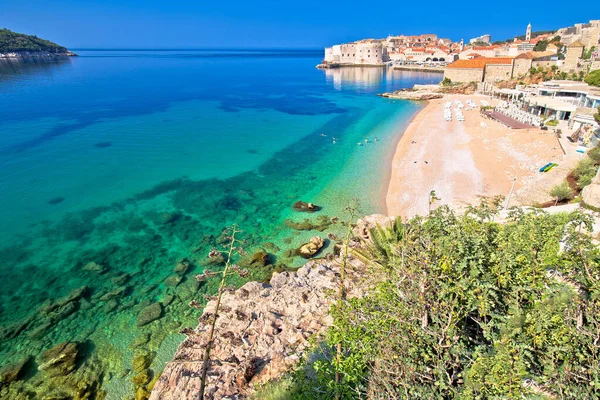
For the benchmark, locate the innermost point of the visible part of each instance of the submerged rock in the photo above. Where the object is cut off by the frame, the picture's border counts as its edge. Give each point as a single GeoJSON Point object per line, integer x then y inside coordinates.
{"type": "Point", "coordinates": [173, 280]}
{"type": "Point", "coordinates": [149, 314]}
{"type": "Point", "coordinates": [302, 206]}
{"type": "Point", "coordinates": [142, 361]}
{"type": "Point", "coordinates": [258, 260]}
{"type": "Point", "coordinates": [94, 267]}
{"type": "Point", "coordinates": [14, 371]}
{"type": "Point", "coordinates": [311, 248]}
{"type": "Point", "coordinates": [182, 267]}
{"type": "Point", "coordinates": [60, 360]}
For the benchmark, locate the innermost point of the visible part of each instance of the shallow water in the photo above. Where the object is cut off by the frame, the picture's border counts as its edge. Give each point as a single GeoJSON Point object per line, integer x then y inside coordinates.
{"type": "Point", "coordinates": [134, 160]}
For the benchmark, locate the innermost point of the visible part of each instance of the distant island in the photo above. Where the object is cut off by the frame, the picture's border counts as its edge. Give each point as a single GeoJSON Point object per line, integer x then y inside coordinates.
{"type": "Point", "coordinates": [19, 45]}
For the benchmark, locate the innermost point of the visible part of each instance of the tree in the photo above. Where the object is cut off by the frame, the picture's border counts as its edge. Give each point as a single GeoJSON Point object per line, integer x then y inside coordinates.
{"type": "Point", "coordinates": [587, 53]}
{"type": "Point", "coordinates": [18, 42]}
{"type": "Point", "coordinates": [561, 192]}
{"type": "Point", "coordinates": [584, 172]}
{"type": "Point", "coordinates": [593, 78]}
{"type": "Point", "coordinates": [542, 45]}
{"type": "Point", "coordinates": [597, 116]}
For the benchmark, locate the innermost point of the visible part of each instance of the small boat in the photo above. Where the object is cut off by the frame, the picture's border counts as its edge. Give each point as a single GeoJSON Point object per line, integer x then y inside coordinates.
{"type": "Point", "coordinates": [545, 166]}
{"type": "Point", "coordinates": [548, 167]}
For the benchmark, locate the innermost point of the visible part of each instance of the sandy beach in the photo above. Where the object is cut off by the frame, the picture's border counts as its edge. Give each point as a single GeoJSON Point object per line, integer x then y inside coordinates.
{"type": "Point", "coordinates": [464, 161]}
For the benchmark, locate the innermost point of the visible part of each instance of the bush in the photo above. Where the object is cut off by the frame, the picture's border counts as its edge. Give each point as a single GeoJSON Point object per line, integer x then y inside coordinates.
{"type": "Point", "coordinates": [466, 308]}
{"type": "Point", "coordinates": [594, 155]}
{"type": "Point", "coordinates": [584, 172]}
{"type": "Point", "coordinates": [552, 122]}
{"type": "Point", "coordinates": [446, 82]}
{"type": "Point", "coordinates": [561, 192]}
{"type": "Point", "coordinates": [593, 78]}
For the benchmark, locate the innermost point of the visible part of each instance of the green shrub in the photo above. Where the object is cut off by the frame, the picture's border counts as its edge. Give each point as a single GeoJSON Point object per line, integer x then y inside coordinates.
{"type": "Point", "coordinates": [468, 308]}
{"type": "Point", "coordinates": [593, 78]}
{"type": "Point", "coordinates": [594, 154]}
{"type": "Point", "coordinates": [584, 172]}
{"type": "Point", "coordinates": [552, 122]}
{"type": "Point", "coordinates": [561, 192]}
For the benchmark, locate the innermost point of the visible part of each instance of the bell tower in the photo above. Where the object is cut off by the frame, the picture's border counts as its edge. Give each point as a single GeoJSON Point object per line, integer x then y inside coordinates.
{"type": "Point", "coordinates": [528, 33]}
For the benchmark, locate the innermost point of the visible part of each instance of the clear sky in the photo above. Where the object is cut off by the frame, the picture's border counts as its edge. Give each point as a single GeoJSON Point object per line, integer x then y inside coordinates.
{"type": "Point", "coordinates": [270, 23]}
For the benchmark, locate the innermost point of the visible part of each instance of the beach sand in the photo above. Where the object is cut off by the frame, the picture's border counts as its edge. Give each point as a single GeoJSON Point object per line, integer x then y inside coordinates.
{"type": "Point", "coordinates": [463, 161]}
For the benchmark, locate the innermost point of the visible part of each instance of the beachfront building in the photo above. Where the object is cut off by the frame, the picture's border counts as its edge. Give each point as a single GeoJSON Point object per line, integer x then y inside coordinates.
{"type": "Point", "coordinates": [370, 52]}
{"type": "Point", "coordinates": [572, 103]}
{"type": "Point", "coordinates": [480, 69]}
{"type": "Point", "coordinates": [415, 55]}
{"type": "Point", "coordinates": [588, 34]}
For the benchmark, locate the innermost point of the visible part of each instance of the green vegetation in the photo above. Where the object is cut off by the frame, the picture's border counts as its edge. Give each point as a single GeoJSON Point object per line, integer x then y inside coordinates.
{"type": "Point", "coordinates": [585, 172]}
{"type": "Point", "coordinates": [597, 116]}
{"type": "Point", "coordinates": [480, 43]}
{"type": "Point", "coordinates": [561, 192]}
{"type": "Point", "coordinates": [552, 122]}
{"type": "Point", "coordinates": [593, 78]}
{"type": "Point", "coordinates": [17, 42]}
{"type": "Point", "coordinates": [446, 82]}
{"type": "Point", "coordinates": [542, 45]}
{"type": "Point", "coordinates": [587, 53]}
{"type": "Point", "coordinates": [467, 308]}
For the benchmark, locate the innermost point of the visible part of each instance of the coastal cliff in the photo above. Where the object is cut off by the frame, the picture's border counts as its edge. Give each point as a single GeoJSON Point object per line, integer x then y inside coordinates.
{"type": "Point", "coordinates": [263, 329]}
{"type": "Point", "coordinates": [15, 45]}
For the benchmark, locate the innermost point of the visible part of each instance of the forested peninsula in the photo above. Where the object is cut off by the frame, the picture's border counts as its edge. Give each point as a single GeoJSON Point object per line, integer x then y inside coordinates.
{"type": "Point", "coordinates": [15, 45]}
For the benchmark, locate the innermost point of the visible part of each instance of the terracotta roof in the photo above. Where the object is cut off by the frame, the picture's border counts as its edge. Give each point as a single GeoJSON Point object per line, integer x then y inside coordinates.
{"type": "Point", "coordinates": [527, 56]}
{"type": "Point", "coordinates": [540, 54]}
{"type": "Point", "coordinates": [480, 62]}
{"type": "Point", "coordinates": [483, 48]}
{"type": "Point", "coordinates": [577, 43]}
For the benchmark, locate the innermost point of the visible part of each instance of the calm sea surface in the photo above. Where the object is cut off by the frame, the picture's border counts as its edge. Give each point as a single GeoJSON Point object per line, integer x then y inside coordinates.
{"type": "Point", "coordinates": [134, 160]}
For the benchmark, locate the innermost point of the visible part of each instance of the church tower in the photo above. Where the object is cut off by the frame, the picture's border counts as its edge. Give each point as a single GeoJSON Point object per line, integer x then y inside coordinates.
{"type": "Point", "coordinates": [528, 33]}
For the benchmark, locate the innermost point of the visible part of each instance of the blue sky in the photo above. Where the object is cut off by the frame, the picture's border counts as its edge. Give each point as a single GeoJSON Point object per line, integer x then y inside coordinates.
{"type": "Point", "coordinates": [269, 23]}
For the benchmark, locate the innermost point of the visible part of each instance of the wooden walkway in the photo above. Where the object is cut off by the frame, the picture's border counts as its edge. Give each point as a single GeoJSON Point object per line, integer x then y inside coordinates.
{"type": "Point", "coordinates": [506, 120]}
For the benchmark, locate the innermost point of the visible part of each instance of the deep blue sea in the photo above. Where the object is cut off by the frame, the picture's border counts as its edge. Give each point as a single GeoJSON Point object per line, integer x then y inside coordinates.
{"type": "Point", "coordinates": [117, 164]}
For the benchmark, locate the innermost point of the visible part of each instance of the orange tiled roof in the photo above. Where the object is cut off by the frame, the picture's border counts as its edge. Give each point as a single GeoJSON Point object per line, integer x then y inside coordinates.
{"type": "Point", "coordinates": [480, 62]}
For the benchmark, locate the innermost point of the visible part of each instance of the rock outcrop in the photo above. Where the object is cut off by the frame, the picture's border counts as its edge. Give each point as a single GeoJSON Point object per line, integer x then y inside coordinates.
{"type": "Point", "coordinates": [314, 245]}
{"type": "Point", "coordinates": [262, 330]}
{"type": "Point", "coordinates": [591, 193]}
{"type": "Point", "coordinates": [412, 94]}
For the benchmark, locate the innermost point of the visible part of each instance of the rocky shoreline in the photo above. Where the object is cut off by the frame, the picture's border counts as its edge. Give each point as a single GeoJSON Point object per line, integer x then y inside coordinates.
{"type": "Point", "coordinates": [263, 329]}
{"type": "Point", "coordinates": [28, 55]}
{"type": "Point", "coordinates": [417, 93]}
{"type": "Point", "coordinates": [429, 92]}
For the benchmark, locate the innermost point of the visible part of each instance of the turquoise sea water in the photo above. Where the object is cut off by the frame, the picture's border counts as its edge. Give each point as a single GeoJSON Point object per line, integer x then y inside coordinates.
{"type": "Point", "coordinates": [134, 160]}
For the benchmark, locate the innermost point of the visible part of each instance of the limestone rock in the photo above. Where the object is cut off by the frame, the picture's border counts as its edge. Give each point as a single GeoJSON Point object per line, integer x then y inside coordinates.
{"type": "Point", "coordinates": [13, 372]}
{"type": "Point", "coordinates": [150, 313]}
{"type": "Point", "coordinates": [311, 248]}
{"type": "Point", "coordinates": [182, 267]}
{"type": "Point", "coordinates": [258, 259]}
{"type": "Point", "coordinates": [591, 193]}
{"type": "Point", "coordinates": [302, 206]}
{"type": "Point", "coordinates": [94, 267]}
{"type": "Point", "coordinates": [60, 360]}
{"type": "Point", "coordinates": [263, 330]}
